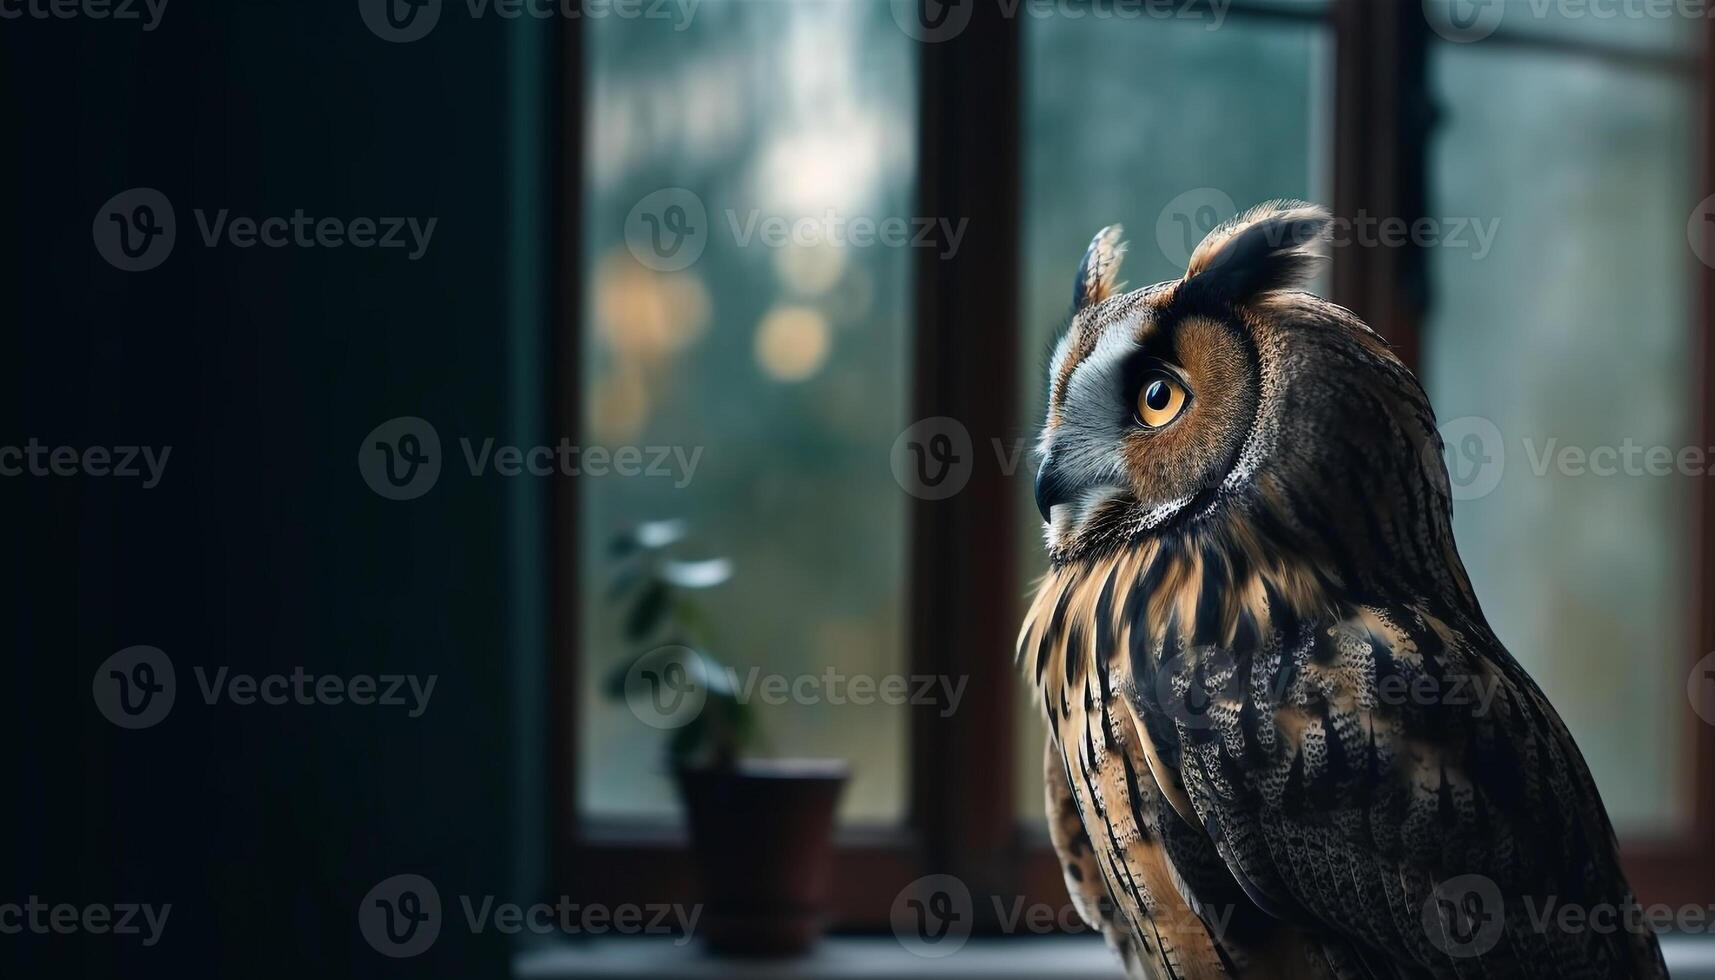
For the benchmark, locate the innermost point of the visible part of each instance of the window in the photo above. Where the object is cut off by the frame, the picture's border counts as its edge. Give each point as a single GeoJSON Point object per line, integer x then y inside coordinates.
{"type": "Point", "coordinates": [796, 368]}
{"type": "Point", "coordinates": [1586, 572]}
{"type": "Point", "coordinates": [774, 365]}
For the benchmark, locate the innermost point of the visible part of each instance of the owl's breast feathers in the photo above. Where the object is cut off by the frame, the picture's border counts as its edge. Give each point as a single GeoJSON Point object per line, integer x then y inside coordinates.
{"type": "Point", "coordinates": [1277, 775]}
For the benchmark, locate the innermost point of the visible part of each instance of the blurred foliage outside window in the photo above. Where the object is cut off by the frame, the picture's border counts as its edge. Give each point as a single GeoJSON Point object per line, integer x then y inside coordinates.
{"type": "Point", "coordinates": [784, 366]}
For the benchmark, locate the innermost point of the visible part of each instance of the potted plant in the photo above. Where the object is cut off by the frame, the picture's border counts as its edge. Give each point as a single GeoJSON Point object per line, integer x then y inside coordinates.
{"type": "Point", "coordinates": [761, 829]}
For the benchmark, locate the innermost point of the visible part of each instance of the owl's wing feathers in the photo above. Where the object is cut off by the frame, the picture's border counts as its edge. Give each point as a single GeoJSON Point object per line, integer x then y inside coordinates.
{"type": "Point", "coordinates": [1081, 866]}
{"type": "Point", "coordinates": [1353, 770]}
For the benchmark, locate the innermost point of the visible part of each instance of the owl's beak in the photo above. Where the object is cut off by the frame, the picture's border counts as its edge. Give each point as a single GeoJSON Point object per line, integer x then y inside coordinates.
{"type": "Point", "coordinates": [1051, 489]}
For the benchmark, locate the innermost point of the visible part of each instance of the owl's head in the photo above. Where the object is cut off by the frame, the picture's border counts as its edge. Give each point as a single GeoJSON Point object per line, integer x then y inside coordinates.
{"type": "Point", "coordinates": [1167, 403]}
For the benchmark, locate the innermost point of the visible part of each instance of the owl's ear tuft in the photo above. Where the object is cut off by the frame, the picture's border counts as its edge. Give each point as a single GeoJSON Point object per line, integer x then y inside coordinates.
{"type": "Point", "coordinates": [1272, 247]}
{"type": "Point", "coordinates": [1098, 273]}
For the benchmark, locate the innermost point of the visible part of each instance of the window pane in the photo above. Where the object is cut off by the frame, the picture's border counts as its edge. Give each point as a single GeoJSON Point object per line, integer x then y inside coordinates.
{"type": "Point", "coordinates": [1573, 337]}
{"type": "Point", "coordinates": [778, 354]}
{"type": "Point", "coordinates": [1167, 127]}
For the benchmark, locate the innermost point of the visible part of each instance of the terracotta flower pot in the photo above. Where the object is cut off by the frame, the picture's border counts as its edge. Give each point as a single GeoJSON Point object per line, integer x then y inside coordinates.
{"type": "Point", "coordinates": [762, 833]}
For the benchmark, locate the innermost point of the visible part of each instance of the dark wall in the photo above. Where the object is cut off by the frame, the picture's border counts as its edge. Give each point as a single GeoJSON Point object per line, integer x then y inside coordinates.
{"type": "Point", "coordinates": [262, 549]}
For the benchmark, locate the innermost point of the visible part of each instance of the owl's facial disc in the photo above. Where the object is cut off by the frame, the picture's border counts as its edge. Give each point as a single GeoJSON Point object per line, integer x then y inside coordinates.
{"type": "Point", "coordinates": [1154, 394]}
{"type": "Point", "coordinates": [1148, 420]}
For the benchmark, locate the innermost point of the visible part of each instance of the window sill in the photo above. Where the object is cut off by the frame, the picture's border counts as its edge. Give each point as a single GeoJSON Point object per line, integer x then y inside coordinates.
{"type": "Point", "coordinates": [880, 958]}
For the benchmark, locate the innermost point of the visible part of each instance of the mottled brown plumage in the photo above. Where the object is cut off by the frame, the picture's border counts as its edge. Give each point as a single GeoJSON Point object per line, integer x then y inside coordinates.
{"type": "Point", "coordinates": [1282, 737]}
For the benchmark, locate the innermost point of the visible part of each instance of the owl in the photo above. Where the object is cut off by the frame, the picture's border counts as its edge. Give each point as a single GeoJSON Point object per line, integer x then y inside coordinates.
{"type": "Point", "coordinates": [1283, 741]}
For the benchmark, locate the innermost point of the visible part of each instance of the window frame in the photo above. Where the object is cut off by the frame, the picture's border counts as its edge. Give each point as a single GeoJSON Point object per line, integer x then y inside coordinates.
{"type": "Point", "coordinates": [962, 565]}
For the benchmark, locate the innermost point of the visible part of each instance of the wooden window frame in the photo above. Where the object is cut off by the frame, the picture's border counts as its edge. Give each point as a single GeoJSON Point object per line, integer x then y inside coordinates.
{"type": "Point", "coordinates": [963, 570]}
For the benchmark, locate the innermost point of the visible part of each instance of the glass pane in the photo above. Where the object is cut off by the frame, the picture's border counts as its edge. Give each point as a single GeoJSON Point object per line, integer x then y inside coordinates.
{"type": "Point", "coordinates": [1658, 26]}
{"type": "Point", "coordinates": [1166, 127]}
{"type": "Point", "coordinates": [1569, 340]}
{"type": "Point", "coordinates": [737, 316]}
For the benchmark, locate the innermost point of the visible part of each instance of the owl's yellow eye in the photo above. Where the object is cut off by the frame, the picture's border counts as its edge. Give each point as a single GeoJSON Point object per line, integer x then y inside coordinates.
{"type": "Point", "coordinates": [1160, 400]}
